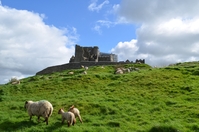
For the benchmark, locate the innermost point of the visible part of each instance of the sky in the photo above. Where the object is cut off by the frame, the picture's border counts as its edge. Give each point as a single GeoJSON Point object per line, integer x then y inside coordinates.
{"type": "Point", "coordinates": [37, 34]}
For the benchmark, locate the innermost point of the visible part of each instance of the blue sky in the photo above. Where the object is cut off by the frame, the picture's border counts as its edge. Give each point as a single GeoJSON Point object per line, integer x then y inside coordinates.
{"type": "Point", "coordinates": [76, 14]}
{"type": "Point", "coordinates": [38, 34]}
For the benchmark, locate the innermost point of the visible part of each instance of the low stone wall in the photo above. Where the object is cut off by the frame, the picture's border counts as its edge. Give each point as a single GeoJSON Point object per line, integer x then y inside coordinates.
{"type": "Point", "coordinates": [76, 65]}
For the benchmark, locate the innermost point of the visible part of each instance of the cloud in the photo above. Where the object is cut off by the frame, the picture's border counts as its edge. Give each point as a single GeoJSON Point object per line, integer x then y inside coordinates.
{"type": "Point", "coordinates": [28, 45]}
{"type": "Point", "coordinates": [94, 7]}
{"type": "Point", "coordinates": [109, 19]}
{"type": "Point", "coordinates": [98, 29]}
{"type": "Point", "coordinates": [130, 48]}
{"type": "Point", "coordinates": [102, 23]}
{"type": "Point", "coordinates": [106, 23]}
{"type": "Point", "coordinates": [167, 33]}
{"type": "Point", "coordinates": [157, 10]}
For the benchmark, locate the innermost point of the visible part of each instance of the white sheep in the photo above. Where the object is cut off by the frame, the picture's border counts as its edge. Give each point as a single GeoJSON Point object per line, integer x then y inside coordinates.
{"type": "Point", "coordinates": [17, 82]}
{"type": "Point", "coordinates": [68, 116]}
{"type": "Point", "coordinates": [86, 67]}
{"type": "Point", "coordinates": [40, 108]}
{"type": "Point", "coordinates": [84, 72]}
{"type": "Point", "coordinates": [119, 71]}
{"type": "Point", "coordinates": [14, 81]}
{"type": "Point", "coordinates": [71, 73]}
{"type": "Point", "coordinates": [76, 112]}
{"type": "Point", "coordinates": [125, 70]}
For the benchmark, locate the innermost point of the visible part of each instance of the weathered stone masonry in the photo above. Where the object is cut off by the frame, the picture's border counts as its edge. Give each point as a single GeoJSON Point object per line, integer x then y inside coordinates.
{"type": "Point", "coordinates": [91, 54]}
{"type": "Point", "coordinates": [86, 56]}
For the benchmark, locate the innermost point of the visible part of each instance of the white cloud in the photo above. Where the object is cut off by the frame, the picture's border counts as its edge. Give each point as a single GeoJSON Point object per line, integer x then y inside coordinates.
{"type": "Point", "coordinates": [98, 29]}
{"type": "Point", "coordinates": [126, 48]}
{"type": "Point", "coordinates": [157, 10]}
{"type": "Point", "coordinates": [28, 45]}
{"type": "Point", "coordinates": [103, 23]}
{"type": "Point", "coordinates": [168, 31]}
{"type": "Point", "coordinates": [107, 22]}
{"type": "Point", "coordinates": [94, 7]}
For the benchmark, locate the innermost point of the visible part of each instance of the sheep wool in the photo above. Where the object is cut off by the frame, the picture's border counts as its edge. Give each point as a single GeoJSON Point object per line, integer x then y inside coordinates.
{"type": "Point", "coordinates": [68, 116]}
{"type": "Point", "coordinates": [42, 108]}
{"type": "Point", "coordinates": [76, 112]}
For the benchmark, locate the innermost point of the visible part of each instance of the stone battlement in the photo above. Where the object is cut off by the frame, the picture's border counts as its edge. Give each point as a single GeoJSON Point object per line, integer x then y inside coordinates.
{"type": "Point", "coordinates": [91, 54]}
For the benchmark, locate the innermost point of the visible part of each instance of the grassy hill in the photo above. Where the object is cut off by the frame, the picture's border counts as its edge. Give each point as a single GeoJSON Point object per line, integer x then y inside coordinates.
{"type": "Point", "coordinates": [149, 100]}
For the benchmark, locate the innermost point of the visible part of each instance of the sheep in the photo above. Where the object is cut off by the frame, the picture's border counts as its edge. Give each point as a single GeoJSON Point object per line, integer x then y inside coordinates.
{"type": "Point", "coordinates": [86, 67]}
{"type": "Point", "coordinates": [76, 112]}
{"type": "Point", "coordinates": [14, 81]}
{"type": "Point", "coordinates": [71, 73]}
{"type": "Point", "coordinates": [125, 70]}
{"type": "Point", "coordinates": [119, 71]}
{"type": "Point", "coordinates": [40, 108]}
{"type": "Point", "coordinates": [17, 82]}
{"type": "Point", "coordinates": [68, 116]}
{"type": "Point", "coordinates": [84, 72]}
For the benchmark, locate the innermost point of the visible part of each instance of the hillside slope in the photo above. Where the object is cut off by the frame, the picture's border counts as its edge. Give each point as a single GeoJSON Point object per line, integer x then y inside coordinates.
{"type": "Point", "coordinates": [144, 100]}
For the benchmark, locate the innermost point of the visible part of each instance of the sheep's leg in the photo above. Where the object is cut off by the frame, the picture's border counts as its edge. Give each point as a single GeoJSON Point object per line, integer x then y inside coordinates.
{"type": "Point", "coordinates": [46, 120]}
{"type": "Point", "coordinates": [38, 118]}
{"type": "Point", "coordinates": [62, 121]}
{"type": "Point", "coordinates": [74, 121]}
{"type": "Point", "coordinates": [80, 118]}
{"type": "Point", "coordinates": [68, 123]}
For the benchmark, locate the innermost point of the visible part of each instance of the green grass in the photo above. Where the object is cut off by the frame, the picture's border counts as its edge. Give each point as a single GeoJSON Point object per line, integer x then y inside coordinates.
{"type": "Point", "coordinates": [149, 100]}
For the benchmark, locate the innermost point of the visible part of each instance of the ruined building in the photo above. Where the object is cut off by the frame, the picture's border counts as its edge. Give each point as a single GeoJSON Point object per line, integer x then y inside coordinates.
{"type": "Point", "coordinates": [87, 56]}
{"type": "Point", "coordinates": [91, 54]}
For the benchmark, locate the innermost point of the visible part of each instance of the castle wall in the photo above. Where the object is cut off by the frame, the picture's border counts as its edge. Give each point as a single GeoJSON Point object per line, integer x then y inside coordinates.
{"type": "Point", "coordinates": [86, 53]}
{"type": "Point", "coordinates": [76, 65]}
{"type": "Point", "coordinates": [87, 56]}
{"type": "Point", "coordinates": [96, 53]}
{"type": "Point", "coordinates": [104, 58]}
{"type": "Point", "coordinates": [78, 53]}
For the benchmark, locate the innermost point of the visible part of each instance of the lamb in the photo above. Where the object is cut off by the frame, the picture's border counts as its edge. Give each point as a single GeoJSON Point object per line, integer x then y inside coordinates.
{"type": "Point", "coordinates": [40, 108]}
{"type": "Point", "coordinates": [68, 116]}
{"type": "Point", "coordinates": [76, 112]}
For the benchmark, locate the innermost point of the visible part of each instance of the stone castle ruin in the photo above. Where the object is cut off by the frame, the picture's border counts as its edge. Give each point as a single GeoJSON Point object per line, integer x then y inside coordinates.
{"type": "Point", "coordinates": [91, 54]}
{"type": "Point", "coordinates": [87, 56]}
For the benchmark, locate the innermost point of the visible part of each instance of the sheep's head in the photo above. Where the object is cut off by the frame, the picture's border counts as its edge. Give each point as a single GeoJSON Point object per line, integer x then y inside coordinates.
{"type": "Point", "coordinates": [60, 111]}
{"type": "Point", "coordinates": [27, 103]}
{"type": "Point", "coordinates": [71, 108]}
